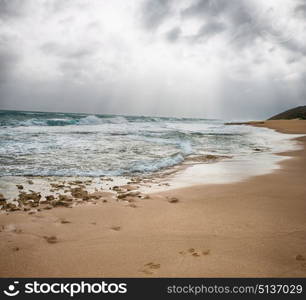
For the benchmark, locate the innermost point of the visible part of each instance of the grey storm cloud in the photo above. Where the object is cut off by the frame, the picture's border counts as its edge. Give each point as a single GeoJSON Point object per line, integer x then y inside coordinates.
{"type": "Point", "coordinates": [210, 29]}
{"type": "Point", "coordinates": [173, 34]}
{"type": "Point", "coordinates": [8, 60]}
{"type": "Point", "coordinates": [66, 51]}
{"type": "Point", "coordinates": [155, 11]}
{"type": "Point", "coordinates": [300, 10]}
{"type": "Point", "coordinates": [208, 58]}
{"type": "Point", "coordinates": [242, 22]}
{"type": "Point", "coordinates": [11, 8]}
{"type": "Point", "coordinates": [8, 57]}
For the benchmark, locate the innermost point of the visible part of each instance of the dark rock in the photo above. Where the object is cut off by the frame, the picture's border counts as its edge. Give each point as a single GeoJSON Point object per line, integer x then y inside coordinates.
{"type": "Point", "coordinates": [50, 198]}
{"type": "Point", "coordinates": [64, 198]}
{"type": "Point", "coordinates": [48, 207]}
{"type": "Point", "coordinates": [24, 197]}
{"type": "Point", "coordinates": [79, 193]}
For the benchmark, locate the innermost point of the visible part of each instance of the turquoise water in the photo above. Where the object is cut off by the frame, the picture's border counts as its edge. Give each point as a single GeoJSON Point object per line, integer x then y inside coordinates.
{"type": "Point", "coordinates": [71, 144]}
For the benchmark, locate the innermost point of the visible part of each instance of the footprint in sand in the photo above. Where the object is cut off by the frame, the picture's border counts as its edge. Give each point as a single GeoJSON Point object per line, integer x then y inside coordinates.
{"type": "Point", "coordinates": [116, 228]}
{"type": "Point", "coordinates": [300, 257]}
{"type": "Point", "coordinates": [195, 253]}
{"type": "Point", "coordinates": [150, 267]}
{"type": "Point", "coordinates": [51, 239]}
{"type": "Point", "coordinates": [173, 200]}
{"type": "Point", "coordinates": [12, 228]}
{"type": "Point", "coordinates": [65, 221]}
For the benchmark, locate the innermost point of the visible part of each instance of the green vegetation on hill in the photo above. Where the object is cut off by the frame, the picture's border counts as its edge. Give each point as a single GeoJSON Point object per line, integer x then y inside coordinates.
{"type": "Point", "coordinates": [294, 113]}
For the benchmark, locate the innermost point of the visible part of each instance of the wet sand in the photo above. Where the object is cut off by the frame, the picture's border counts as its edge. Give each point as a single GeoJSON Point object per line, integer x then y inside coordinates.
{"type": "Point", "coordinates": [256, 227]}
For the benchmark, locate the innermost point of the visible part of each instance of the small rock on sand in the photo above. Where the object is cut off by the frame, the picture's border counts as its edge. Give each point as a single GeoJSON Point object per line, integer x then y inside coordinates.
{"type": "Point", "coordinates": [2, 198]}
{"type": "Point", "coordinates": [50, 198]}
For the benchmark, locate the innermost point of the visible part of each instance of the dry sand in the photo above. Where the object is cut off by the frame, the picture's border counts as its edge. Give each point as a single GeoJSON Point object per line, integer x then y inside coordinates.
{"type": "Point", "coordinates": [252, 228]}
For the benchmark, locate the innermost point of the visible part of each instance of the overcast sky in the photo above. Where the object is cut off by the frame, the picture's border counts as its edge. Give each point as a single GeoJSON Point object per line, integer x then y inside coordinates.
{"type": "Point", "coordinates": [238, 59]}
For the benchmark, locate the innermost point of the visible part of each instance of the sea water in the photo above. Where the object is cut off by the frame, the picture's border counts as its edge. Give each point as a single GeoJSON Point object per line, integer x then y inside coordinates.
{"type": "Point", "coordinates": [74, 144]}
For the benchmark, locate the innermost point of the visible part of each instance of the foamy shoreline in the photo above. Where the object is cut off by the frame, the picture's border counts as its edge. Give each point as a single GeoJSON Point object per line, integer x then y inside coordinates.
{"type": "Point", "coordinates": [194, 170]}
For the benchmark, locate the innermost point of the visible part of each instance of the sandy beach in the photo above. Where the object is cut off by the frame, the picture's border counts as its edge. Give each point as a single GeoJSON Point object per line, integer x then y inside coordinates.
{"type": "Point", "coordinates": [253, 228]}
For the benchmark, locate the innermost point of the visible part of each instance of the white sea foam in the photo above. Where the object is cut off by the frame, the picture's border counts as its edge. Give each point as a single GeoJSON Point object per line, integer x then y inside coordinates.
{"type": "Point", "coordinates": [93, 145]}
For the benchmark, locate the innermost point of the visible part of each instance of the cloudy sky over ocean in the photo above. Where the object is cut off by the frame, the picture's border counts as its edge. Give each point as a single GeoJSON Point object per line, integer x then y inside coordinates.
{"type": "Point", "coordinates": [240, 59]}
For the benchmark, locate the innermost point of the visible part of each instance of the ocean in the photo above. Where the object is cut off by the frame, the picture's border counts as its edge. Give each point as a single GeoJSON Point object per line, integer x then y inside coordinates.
{"type": "Point", "coordinates": [74, 144]}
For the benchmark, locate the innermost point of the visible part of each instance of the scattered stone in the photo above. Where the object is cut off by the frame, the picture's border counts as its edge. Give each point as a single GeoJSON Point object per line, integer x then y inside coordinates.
{"type": "Point", "coordinates": [57, 185]}
{"type": "Point", "coordinates": [16, 249]}
{"type": "Point", "coordinates": [206, 252]}
{"type": "Point", "coordinates": [79, 193]}
{"type": "Point", "coordinates": [65, 198]}
{"type": "Point", "coordinates": [48, 207]}
{"type": "Point", "coordinates": [24, 197]}
{"type": "Point", "coordinates": [76, 182]}
{"type": "Point", "coordinates": [133, 194]}
{"type": "Point", "coordinates": [2, 201]}
{"type": "Point", "coordinates": [53, 203]}
{"type": "Point", "coordinates": [60, 203]}
{"type": "Point", "coordinates": [121, 196]}
{"type": "Point", "coordinates": [30, 181]}
{"type": "Point", "coordinates": [19, 186]}
{"type": "Point", "coordinates": [2, 198]}
{"type": "Point", "coordinates": [106, 179]}
{"type": "Point", "coordinates": [50, 197]}
{"type": "Point", "coordinates": [128, 194]}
